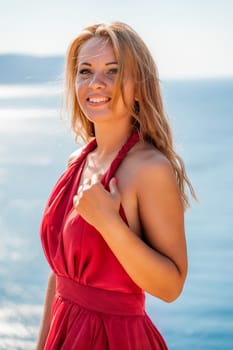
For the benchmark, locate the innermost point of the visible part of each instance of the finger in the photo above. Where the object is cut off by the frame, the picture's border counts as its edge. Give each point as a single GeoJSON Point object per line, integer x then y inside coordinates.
{"type": "Point", "coordinates": [95, 178]}
{"type": "Point", "coordinates": [75, 200]}
{"type": "Point", "coordinates": [80, 189]}
{"type": "Point", "coordinates": [87, 181]}
{"type": "Point", "coordinates": [114, 187]}
{"type": "Point", "coordinates": [86, 184]}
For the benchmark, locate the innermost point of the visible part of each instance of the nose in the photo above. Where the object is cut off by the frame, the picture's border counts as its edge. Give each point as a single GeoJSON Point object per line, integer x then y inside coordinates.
{"type": "Point", "coordinates": [97, 81]}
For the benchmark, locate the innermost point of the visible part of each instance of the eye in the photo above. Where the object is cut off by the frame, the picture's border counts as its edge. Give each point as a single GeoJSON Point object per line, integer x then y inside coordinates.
{"type": "Point", "coordinates": [84, 71]}
{"type": "Point", "coordinates": [113, 71]}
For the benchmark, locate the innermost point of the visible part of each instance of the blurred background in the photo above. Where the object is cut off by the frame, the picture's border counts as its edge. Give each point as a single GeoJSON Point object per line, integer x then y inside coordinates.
{"type": "Point", "coordinates": [192, 45]}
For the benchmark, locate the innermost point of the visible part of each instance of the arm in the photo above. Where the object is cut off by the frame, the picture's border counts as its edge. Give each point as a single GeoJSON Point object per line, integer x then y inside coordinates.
{"type": "Point", "coordinates": [160, 266]}
{"type": "Point", "coordinates": [45, 323]}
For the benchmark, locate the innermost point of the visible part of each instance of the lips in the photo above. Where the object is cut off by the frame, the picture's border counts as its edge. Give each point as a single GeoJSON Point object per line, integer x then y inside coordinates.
{"type": "Point", "coordinates": [98, 100]}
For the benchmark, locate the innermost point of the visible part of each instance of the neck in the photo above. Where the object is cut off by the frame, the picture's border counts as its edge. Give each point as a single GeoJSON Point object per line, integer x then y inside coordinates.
{"type": "Point", "coordinates": [110, 140]}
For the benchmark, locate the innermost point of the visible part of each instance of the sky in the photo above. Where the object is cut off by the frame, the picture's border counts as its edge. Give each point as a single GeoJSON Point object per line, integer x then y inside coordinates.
{"type": "Point", "coordinates": [188, 38]}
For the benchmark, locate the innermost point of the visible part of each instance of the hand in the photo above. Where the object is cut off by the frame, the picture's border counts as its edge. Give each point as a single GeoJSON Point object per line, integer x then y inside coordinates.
{"type": "Point", "coordinates": [95, 204]}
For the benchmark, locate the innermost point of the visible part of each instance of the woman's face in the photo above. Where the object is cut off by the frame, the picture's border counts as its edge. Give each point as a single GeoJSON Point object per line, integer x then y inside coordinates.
{"type": "Point", "coordinates": [96, 74]}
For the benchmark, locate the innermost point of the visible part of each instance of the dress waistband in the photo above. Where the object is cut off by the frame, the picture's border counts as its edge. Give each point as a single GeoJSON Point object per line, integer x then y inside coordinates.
{"type": "Point", "coordinates": [100, 300]}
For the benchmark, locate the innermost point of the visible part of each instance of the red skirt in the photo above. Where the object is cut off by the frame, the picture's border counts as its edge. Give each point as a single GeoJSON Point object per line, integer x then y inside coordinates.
{"type": "Point", "coordinates": [89, 318]}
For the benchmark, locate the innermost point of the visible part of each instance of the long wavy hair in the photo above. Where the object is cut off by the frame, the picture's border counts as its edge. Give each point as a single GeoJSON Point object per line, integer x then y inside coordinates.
{"type": "Point", "coordinates": [148, 114]}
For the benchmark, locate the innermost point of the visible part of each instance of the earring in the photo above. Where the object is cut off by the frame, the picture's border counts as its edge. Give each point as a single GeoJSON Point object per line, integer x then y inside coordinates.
{"type": "Point", "coordinates": [136, 107]}
{"type": "Point", "coordinates": [135, 122]}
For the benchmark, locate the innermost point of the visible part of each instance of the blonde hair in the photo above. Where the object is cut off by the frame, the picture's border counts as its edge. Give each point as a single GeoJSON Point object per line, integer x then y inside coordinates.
{"type": "Point", "coordinates": [148, 114]}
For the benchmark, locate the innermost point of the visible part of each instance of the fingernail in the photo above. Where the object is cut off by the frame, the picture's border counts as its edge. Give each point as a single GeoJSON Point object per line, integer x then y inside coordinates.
{"type": "Point", "coordinates": [115, 180]}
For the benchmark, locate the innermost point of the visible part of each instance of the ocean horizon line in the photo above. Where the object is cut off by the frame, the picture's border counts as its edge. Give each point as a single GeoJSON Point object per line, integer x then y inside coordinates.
{"type": "Point", "coordinates": [22, 68]}
{"type": "Point", "coordinates": [58, 82]}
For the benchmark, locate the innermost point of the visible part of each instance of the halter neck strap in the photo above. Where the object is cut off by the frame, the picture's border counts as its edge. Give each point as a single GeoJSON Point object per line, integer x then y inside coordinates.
{"type": "Point", "coordinates": [130, 142]}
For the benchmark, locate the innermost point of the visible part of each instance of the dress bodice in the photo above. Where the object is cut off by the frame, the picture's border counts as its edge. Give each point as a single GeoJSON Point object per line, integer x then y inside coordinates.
{"type": "Point", "coordinates": [74, 248]}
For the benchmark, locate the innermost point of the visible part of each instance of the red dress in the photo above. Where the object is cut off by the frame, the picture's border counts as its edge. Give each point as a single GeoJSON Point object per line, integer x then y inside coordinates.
{"type": "Point", "coordinates": [97, 305]}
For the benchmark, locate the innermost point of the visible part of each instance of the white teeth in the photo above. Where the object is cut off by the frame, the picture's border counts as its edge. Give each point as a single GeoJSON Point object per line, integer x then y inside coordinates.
{"type": "Point", "coordinates": [98, 99]}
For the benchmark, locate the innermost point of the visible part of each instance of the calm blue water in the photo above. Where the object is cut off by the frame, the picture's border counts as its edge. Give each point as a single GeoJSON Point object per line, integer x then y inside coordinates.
{"type": "Point", "coordinates": [34, 145]}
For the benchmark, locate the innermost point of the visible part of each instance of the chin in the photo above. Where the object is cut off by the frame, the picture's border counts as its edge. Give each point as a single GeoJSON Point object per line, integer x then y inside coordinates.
{"type": "Point", "coordinates": [97, 118]}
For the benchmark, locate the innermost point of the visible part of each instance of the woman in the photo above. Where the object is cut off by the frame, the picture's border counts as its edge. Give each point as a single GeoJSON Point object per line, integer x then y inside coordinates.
{"type": "Point", "coordinates": [113, 226]}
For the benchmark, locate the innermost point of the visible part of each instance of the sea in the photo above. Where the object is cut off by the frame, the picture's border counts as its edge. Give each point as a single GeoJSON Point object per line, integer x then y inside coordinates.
{"type": "Point", "coordinates": [35, 142]}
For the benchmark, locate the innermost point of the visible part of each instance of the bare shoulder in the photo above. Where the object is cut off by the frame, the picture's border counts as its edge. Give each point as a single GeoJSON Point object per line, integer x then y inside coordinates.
{"type": "Point", "coordinates": [74, 155]}
{"type": "Point", "coordinates": [154, 175]}
{"type": "Point", "coordinates": [151, 163]}
{"type": "Point", "coordinates": [155, 180]}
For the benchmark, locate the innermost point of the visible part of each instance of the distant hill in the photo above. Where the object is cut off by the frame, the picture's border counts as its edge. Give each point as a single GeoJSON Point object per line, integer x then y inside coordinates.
{"type": "Point", "coordinates": [25, 69]}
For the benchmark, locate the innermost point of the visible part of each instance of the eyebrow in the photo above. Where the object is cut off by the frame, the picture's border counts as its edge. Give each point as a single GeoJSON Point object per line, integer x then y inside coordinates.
{"type": "Point", "coordinates": [89, 64]}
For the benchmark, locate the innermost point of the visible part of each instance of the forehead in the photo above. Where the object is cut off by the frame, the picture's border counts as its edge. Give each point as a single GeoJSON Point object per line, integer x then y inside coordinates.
{"type": "Point", "coordinates": [96, 49]}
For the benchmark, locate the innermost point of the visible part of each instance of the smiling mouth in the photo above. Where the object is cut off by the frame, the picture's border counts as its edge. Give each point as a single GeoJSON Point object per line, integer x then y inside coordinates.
{"type": "Point", "coordinates": [98, 100]}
